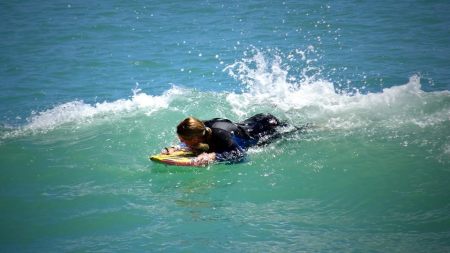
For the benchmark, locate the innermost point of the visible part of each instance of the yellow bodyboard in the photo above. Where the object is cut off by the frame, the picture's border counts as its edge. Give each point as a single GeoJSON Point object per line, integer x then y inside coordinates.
{"type": "Point", "coordinates": [178, 158]}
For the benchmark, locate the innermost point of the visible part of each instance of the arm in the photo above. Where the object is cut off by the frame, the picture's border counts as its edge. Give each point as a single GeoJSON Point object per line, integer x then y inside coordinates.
{"type": "Point", "coordinates": [227, 149]}
{"type": "Point", "coordinates": [205, 159]}
{"type": "Point", "coordinates": [232, 156]}
{"type": "Point", "coordinates": [223, 148]}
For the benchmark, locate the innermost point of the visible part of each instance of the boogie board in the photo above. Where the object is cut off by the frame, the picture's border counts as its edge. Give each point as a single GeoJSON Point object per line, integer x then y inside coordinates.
{"type": "Point", "coordinates": [178, 158]}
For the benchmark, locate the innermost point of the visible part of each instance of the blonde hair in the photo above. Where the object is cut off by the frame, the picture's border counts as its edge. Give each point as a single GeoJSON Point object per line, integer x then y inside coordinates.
{"type": "Point", "coordinates": [192, 127]}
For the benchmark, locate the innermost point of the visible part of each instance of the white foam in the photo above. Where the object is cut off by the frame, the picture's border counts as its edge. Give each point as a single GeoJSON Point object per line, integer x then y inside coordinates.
{"type": "Point", "coordinates": [269, 87]}
{"type": "Point", "coordinates": [310, 98]}
{"type": "Point", "coordinates": [79, 112]}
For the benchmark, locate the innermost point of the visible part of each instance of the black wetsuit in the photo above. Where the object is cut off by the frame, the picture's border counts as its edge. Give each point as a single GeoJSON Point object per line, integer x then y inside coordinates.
{"type": "Point", "coordinates": [229, 140]}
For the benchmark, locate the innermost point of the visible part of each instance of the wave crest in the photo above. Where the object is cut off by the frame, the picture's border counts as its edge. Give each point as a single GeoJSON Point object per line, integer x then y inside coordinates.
{"type": "Point", "coordinates": [307, 97]}
{"type": "Point", "coordinates": [79, 112]}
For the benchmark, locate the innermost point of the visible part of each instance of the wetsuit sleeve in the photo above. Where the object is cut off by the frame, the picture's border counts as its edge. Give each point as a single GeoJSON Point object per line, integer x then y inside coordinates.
{"type": "Point", "coordinates": [235, 155]}
{"type": "Point", "coordinates": [225, 147]}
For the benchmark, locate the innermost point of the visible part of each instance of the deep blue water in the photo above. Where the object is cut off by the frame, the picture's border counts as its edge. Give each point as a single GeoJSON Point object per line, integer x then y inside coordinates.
{"type": "Point", "coordinates": [90, 88]}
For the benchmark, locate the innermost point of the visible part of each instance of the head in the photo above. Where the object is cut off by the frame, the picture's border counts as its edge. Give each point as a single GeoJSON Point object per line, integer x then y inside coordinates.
{"type": "Point", "coordinates": [193, 133]}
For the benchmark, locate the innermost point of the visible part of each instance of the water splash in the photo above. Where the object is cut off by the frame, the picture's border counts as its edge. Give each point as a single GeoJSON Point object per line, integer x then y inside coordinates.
{"type": "Point", "coordinates": [269, 84]}
{"type": "Point", "coordinates": [78, 112]}
{"type": "Point", "coordinates": [287, 85]}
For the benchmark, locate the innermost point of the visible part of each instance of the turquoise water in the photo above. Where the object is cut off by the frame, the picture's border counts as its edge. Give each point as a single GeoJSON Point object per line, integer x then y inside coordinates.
{"type": "Point", "coordinates": [90, 89]}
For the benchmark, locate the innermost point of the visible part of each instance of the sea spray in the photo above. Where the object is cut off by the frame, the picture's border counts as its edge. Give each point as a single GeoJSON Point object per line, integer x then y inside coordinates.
{"type": "Point", "coordinates": [268, 85]}
{"type": "Point", "coordinates": [78, 112]}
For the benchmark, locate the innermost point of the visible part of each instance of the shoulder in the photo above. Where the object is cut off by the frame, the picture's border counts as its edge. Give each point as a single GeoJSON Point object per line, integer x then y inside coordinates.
{"type": "Point", "coordinates": [220, 133]}
{"type": "Point", "coordinates": [220, 140]}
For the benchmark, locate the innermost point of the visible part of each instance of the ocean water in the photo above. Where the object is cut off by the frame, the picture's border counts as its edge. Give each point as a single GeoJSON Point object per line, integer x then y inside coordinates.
{"type": "Point", "coordinates": [90, 88]}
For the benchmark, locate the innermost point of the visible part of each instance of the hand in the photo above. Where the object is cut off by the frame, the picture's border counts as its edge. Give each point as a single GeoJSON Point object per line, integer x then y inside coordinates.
{"type": "Point", "coordinates": [168, 151]}
{"type": "Point", "coordinates": [205, 158]}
